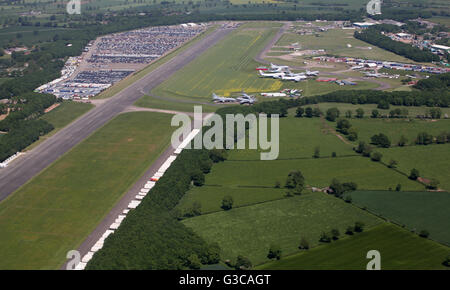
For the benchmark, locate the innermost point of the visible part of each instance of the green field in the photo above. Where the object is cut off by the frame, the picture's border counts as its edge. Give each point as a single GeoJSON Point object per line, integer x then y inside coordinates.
{"type": "Point", "coordinates": [431, 161]}
{"type": "Point", "coordinates": [416, 210]}
{"type": "Point", "coordinates": [399, 250]}
{"type": "Point", "coordinates": [344, 107]}
{"type": "Point", "coordinates": [318, 173]}
{"type": "Point", "coordinates": [334, 42]}
{"type": "Point", "coordinates": [226, 68]}
{"type": "Point", "coordinates": [62, 116]}
{"type": "Point", "coordinates": [252, 229]}
{"type": "Point", "coordinates": [66, 113]}
{"type": "Point", "coordinates": [56, 210]}
{"type": "Point", "coordinates": [395, 128]}
{"type": "Point", "coordinates": [211, 197]}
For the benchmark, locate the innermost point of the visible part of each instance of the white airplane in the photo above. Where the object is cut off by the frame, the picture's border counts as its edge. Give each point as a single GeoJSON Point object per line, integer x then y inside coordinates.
{"type": "Point", "coordinates": [246, 99]}
{"type": "Point", "coordinates": [279, 67]}
{"type": "Point", "coordinates": [312, 73]}
{"type": "Point", "coordinates": [276, 75]}
{"type": "Point", "coordinates": [216, 98]}
{"type": "Point", "coordinates": [294, 77]}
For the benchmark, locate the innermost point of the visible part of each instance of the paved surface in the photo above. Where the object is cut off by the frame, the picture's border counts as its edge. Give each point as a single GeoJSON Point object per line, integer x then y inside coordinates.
{"type": "Point", "coordinates": [263, 54]}
{"type": "Point", "coordinates": [22, 170]}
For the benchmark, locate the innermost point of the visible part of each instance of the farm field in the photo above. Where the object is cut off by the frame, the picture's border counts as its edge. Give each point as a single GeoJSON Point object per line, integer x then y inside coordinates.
{"type": "Point", "coordinates": [57, 209]}
{"type": "Point", "coordinates": [416, 210]}
{"type": "Point", "coordinates": [430, 160]}
{"type": "Point", "coordinates": [399, 249]}
{"type": "Point", "coordinates": [298, 138]}
{"type": "Point", "coordinates": [252, 229]}
{"type": "Point", "coordinates": [317, 172]}
{"type": "Point", "coordinates": [395, 128]}
{"type": "Point", "coordinates": [211, 197]}
{"type": "Point", "coordinates": [344, 107]}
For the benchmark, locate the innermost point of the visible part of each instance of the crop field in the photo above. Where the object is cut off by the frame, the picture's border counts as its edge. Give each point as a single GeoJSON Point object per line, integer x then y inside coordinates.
{"type": "Point", "coordinates": [298, 138]}
{"type": "Point", "coordinates": [210, 197]}
{"type": "Point", "coordinates": [252, 229]}
{"type": "Point", "coordinates": [399, 249]}
{"type": "Point", "coordinates": [334, 42]}
{"type": "Point", "coordinates": [395, 128]}
{"type": "Point", "coordinates": [318, 173]}
{"type": "Point", "coordinates": [344, 107]}
{"type": "Point", "coordinates": [57, 209]}
{"type": "Point", "coordinates": [416, 210]}
{"type": "Point", "coordinates": [430, 160]}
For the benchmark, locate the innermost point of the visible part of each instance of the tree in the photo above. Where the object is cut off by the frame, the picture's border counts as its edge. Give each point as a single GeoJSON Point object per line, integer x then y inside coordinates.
{"type": "Point", "coordinates": [309, 112]}
{"type": "Point", "coordinates": [375, 113]}
{"type": "Point", "coordinates": [227, 202]}
{"type": "Point", "coordinates": [332, 114]}
{"type": "Point", "coordinates": [194, 262]}
{"type": "Point", "coordinates": [392, 163]}
{"type": "Point", "coordinates": [383, 105]}
{"type": "Point", "coordinates": [447, 261]}
{"type": "Point", "coordinates": [194, 210]}
{"type": "Point", "coordinates": [424, 234]}
{"type": "Point", "coordinates": [348, 199]}
{"type": "Point", "coordinates": [316, 152]}
{"type": "Point", "coordinates": [343, 125]}
{"type": "Point", "coordinates": [359, 227]}
{"type": "Point", "coordinates": [335, 234]}
{"type": "Point", "coordinates": [348, 114]}
{"type": "Point", "coordinates": [324, 238]}
{"type": "Point", "coordinates": [441, 138]}
{"type": "Point", "coordinates": [352, 134]}
{"type": "Point", "coordinates": [349, 186]}
{"type": "Point", "coordinates": [337, 187]}
{"type": "Point", "coordinates": [434, 184]}
{"type": "Point", "coordinates": [349, 230]}
{"type": "Point", "coordinates": [295, 179]}
{"type": "Point", "coordinates": [304, 244]}
{"type": "Point", "coordinates": [198, 178]}
{"type": "Point", "coordinates": [376, 156]}
{"type": "Point", "coordinates": [381, 140]}
{"type": "Point", "coordinates": [398, 187]}
{"type": "Point", "coordinates": [333, 154]}
{"type": "Point", "coordinates": [402, 142]}
{"type": "Point", "coordinates": [243, 263]}
{"type": "Point", "coordinates": [414, 174]}
{"type": "Point", "coordinates": [274, 252]}
{"type": "Point", "coordinates": [317, 112]}
{"type": "Point", "coordinates": [217, 155]}
{"type": "Point", "coordinates": [424, 138]}
{"type": "Point", "coordinates": [277, 184]}
{"type": "Point", "coordinates": [299, 113]}
{"type": "Point", "coordinates": [359, 113]}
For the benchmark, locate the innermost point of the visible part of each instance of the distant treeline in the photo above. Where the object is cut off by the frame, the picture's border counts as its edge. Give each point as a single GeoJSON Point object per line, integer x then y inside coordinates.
{"type": "Point", "coordinates": [21, 125]}
{"type": "Point", "coordinates": [374, 37]}
{"type": "Point", "coordinates": [435, 83]}
{"type": "Point", "coordinates": [151, 237]}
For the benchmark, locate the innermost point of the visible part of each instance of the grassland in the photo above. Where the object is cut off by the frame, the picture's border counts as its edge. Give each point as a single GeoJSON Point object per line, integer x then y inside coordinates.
{"type": "Point", "coordinates": [57, 209]}
{"type": "Point", "coordinates": [344, 107]}
{"type": "Point", "coordinates": [416, 210]}
{"type": "Point", "coordinates": [251, 230]}
{"type": "Point", "coordinates": [61, 116]}
{"type": "Point", "coordinates": [395, 128]}
{"type": "Point", "coordinates": [399, 250]}
{"type": "Point", "coordinates": [226, 68]}
{"type": "Point", "coordinates": [431, 161]}
{"type": "Point", "coordinates": [334, 42]}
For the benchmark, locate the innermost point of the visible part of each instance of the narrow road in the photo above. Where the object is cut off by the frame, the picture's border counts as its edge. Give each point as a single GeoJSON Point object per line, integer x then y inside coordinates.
{"type": "Point", "coordinates": [22, 170]}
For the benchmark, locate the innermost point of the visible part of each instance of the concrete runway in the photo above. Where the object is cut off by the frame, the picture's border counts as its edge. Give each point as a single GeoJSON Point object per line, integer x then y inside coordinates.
{"type": "Point", "coordinates": [27, 166]}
